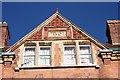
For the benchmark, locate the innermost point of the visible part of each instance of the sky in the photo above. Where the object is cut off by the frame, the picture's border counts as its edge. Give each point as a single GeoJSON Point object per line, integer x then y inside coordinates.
{"type": "Point", "coordinates": [22, 17]}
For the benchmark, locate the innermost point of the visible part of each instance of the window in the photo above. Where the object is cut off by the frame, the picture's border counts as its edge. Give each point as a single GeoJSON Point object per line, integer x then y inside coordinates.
{"type": "Point", "coordinates": [45, 56]}
{"type": "Point", "coordinates": [69, 55]}
{"type": "Point", "coordinates": [85, 54]}
{"type": "Point", "coordinates": [29, 56]}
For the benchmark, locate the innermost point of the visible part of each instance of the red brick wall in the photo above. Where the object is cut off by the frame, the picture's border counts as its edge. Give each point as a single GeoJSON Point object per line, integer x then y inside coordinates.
{"type": "Point", "coordinates": [110, 69]}
{"type": "Point", "coordinates": [114, 29]}
{"type": "Point", "coordinates": [68, 30]}
{"type": "Point", "coordinates": [37, 36]}
{"type": "Point", "coordinates": [77, 34]}
{"type": "Point", "coordinates": [106, 70]}
{"type": "Point", "coordinates": [52, 73]}
{"type": "Point", "coordinates": [4, 36]}
{"type": "Point", "coordinates": [57, 22]}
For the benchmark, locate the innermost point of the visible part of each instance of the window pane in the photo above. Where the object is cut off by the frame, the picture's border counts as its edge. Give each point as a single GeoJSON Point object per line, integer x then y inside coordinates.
{"type": "Point", "coordinates": [69, 56]}
{"type": "Point", "coordinates": [85, 50]}
{"type": "Point", "coordinates": [29, 56]}
{"type": "Point", "coordinates": [69, 50]}
{"type": "Point", "coordinates": [44, 60]}
{"type": "Point", "coordinates": [69, 59]}
{"type": "Point", "coordinates": [44, 56]}
{"type": "Point", "coordinates": [45, 51]}
{"type": "Point", "coordinates": [29, 51]}
{"type": "Point", "coordinates": [85, 59]}
{"type": "Point", "coordinates": [29, 61]}
{"type": "Point", "coordinates": [85, 55]}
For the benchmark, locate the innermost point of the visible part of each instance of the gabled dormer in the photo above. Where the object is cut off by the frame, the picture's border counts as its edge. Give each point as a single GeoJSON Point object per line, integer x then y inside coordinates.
{"type": "Point", "coordinates": [57, 42]}
{"type": "Point", "coordinates": [56, 27]}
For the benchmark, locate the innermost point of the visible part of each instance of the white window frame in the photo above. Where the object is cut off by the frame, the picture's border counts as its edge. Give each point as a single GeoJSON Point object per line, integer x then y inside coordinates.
{"type": "Point", "coordinates": [86, 54]}
{"type": "Point", "coordinates": [24, 55]}
{"type": "Point", "coordinates": [45, 55]}
{"type": "Point", "coordinates": [74, 55]}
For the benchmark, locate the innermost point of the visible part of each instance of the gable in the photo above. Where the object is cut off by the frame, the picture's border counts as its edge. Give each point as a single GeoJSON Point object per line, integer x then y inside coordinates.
{"type": "Point", "coordinates": [56, 27]}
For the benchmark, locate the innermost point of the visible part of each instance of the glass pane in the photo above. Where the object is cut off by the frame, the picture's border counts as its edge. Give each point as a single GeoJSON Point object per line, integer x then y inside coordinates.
{"type": "Point", "coordinates": [44, 60]}
{"type": "Point", "coordinates": [85, 50]}
{"type": "Point", "coordinates": [69, 59]}
{"type": "Point", "coordinates": [45, 51]}
{"type": "Point", "coordinates": [69, 50]}
{"type": "Point", "coordinates": [29, 61]}
{"type": "Point", "coordinates": [85, 59]}
{"type": "Point", "coordinates": [69, 56]}
{"type": "Point", "coordinates": [29, 51]}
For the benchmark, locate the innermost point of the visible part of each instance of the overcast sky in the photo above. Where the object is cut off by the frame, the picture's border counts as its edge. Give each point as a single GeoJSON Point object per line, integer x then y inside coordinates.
{"type": "Point", "coordinates": [91, 16]}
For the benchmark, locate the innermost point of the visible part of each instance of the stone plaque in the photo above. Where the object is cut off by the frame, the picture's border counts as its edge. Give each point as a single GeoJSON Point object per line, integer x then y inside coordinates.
{"type": "Point", "coordinates": [57, 34]}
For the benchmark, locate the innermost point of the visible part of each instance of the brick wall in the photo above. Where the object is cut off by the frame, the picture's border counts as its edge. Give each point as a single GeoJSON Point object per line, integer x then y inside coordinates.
{"type": "Point", "coordinates": [106, 70]}
{"type": "Point", "coordinates": [69, 32]}
{"type": "Point", "coordinates": [75, 72]}
{"type": "Point", "coordinates": [57, 22]}
{"type": "Point", "coordinates": [113, 28]}
{"type": "Point", "coordinates": [4, 37]}
{"type": "Point", "coordinates": [110, 69]}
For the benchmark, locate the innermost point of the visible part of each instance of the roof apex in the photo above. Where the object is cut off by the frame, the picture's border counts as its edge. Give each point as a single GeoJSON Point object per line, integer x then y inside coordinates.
{"type": "Point", "coordinates": [57, 11]}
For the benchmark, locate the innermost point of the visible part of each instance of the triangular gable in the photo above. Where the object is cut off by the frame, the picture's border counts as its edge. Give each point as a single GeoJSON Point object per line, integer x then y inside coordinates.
{"type": "Point", "coordinates": [56, 20]}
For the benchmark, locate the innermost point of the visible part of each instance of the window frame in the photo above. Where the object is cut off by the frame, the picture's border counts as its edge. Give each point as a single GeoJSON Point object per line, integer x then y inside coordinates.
{"type": "Point", "coordinates": [24, 55]}
{"type": "Point", "coordinates": [77, 55]}
{"type": "Point", "coordinates": [90, 47]}
{"type": "Point", "coordinates": [45, 55]}
{"type": "Point", "coordinates": [68, 45]}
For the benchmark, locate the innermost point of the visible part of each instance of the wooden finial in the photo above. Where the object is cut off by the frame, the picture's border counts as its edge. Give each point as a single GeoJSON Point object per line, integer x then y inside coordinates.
{"type": "Point", "coordinates": [57, 10]}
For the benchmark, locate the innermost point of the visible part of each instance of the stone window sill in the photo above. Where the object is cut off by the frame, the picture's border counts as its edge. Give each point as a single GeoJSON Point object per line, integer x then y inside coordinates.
{"type": "Point", "coordinates": [55, 67]}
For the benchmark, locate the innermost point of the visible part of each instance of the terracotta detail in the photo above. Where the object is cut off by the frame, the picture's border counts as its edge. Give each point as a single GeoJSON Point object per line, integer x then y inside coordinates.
{"type": "Point", "coordinates": [77, 34]}
{"type": "Point", "coordinates": [37, 36]}
{"type": "Point", "coordinates": [57, 22]}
